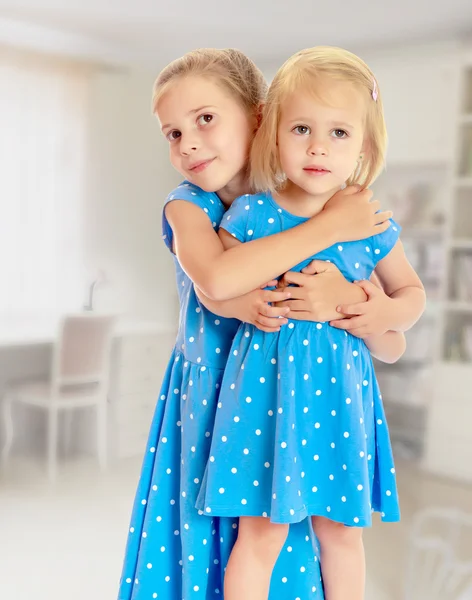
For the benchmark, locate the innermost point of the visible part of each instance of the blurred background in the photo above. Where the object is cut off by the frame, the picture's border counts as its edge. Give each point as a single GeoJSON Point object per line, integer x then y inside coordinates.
{"type": "Point", "coordinates": [84, 173]}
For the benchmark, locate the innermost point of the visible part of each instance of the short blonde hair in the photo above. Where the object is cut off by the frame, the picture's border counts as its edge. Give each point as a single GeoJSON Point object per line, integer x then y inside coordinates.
{"type": "Point", "coordinates": [230, 68]}
{"type": "Point", "coordinates": [302, 72]}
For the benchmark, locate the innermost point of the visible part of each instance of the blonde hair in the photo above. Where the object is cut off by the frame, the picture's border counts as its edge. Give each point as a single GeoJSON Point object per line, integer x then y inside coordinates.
{"type": "Point", "coordinates": [302, 72]}
{"type": "Point", "coordinates": [230, 68]}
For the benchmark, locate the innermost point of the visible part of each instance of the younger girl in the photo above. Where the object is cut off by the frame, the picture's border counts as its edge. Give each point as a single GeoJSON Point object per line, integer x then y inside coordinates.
{"type": "Point", "coordinates": [300, 429]}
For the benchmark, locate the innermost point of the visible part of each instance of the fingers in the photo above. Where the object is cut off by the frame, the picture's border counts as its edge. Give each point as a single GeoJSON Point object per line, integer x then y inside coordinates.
{"type": "Point", "coordinates": [275, 296]}
{"type": "Point", "coordinates": [316, 266]}
{"type": "Point", "coordinates": [384, 216]}
{"type": "Point", "coordinates": [273, 312]}
{"type": "Point", "coordinates": [300, 315]}
{"type": "Point", "coordinates": [267, 329]}
{"type": "Point", "coordinates": [272, 283]}
{"type": "Point", "coordinates": [294, 304]}
{"type": "Point", "coordinates": [347, 324]}
{"type": "Point", "coordinates": [352, 309]}
{"type": "Point", "coordinates": [369, 288]}
{"type": "Point", "coordinates": [294, 277]}
{"type": "Point", "coordinates": [382, 227]}
{"type": "Point", "coordinates": [351, 189]}
{"type": "Point", "coordinates": [270, 322]}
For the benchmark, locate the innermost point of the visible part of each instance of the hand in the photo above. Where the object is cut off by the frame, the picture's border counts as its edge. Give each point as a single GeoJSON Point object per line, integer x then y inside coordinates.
{"type": "Point", "coordinates": [255, 308]}
{"type": "Point", "coordinates": [367, 318]}
{"type": "Point", "coordinates": [353, 216]}
{"type": "Point", "coordinates": [321, 286]}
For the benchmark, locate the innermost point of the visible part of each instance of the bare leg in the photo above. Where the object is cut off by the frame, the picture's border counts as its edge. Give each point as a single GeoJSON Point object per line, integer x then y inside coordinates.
{"type": "Point", "coordinates": [253, 558]}
{"type": "Point", "coordinates": [342, 559]}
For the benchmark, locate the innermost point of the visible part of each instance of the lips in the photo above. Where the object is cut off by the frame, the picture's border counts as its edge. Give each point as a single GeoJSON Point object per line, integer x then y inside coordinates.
{"type": "Point", "coordinates": [316, 169]}
{"type": "Point", "coordinates": [201, 165]}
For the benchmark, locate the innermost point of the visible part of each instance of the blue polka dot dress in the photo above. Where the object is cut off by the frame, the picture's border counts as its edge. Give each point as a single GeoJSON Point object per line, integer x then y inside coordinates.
{"type": "Point", "coordinates": [175, 551]}
{"type": "Point", "coordinates": [300, 427]}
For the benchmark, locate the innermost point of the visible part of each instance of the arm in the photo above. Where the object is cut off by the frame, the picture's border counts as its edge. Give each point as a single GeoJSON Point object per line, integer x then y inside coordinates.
{"type": "Point", "coordinates": [223, 275]}
{"type": "Point", "coordinates": [253, 308]}
{"type": "Point", "coordinates": [396, 306]}
{"type": "Point", "coordinates": [388, 347]}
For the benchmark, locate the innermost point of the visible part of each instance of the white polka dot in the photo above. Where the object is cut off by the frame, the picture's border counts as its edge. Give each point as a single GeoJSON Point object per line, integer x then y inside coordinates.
{"type": "Point", "coordinates": [328, 508]}
{"type": "Point", "coordinates": [340, 248]}
{"type": "Point", "coordinates": [284, 580]}
{"type": "Point", "coordinates": [224, 439]}
{"type": "Point", "coordinates": [222, 490]}
{"type": "Point", "coordinates": [360, 488]}
{"type": "Point", "coordinates": [317, 425]}
{"type": "Point", "coordinates": [235, 352]}
{"type": "Point", "coordinates": [348, 367]}
{"type": "Point", "coordinates": [392, 470]}
{"type": "Point", "coordinates": [345, 467]}
{"type": "Point", "coordinates": [258, 432]}
{"type": "Point", "coordinates": [248, 400]}
{"type": "Point", "coordinates": [365, 383]}
{"type": "Point", "coordinates": [283, 445]}
{"type": "Point", "coordinates": [152, 450]}
{"type": "Point", "coordinates": [271, 413]}
{"type": "Point", "coordinates": [212, 459]}
{"type": "Point", "coordinates": [346, 434]}
{"type": "Point", "coordinates": [246, 451]}
{"type": "Point", "coordinates": [377, 251]}
{"type": "Point", "coordinates": [361, 454]}
{"type": "Point", "coordinates": [128, 580]}
{"type": "Point", "coordinates": [167, 578]}
{"type": "Point", "coordinates": [250, 232]}
{"type": "Point", "coordinates": [319, 360]}
{"type": "Point", "coordinates": [333, 412]}
{"type": "Point", "coordinates": [316, 457]}
{"type": "Point", "coordinates": [280, 410]}
{"type": "Point", "coordinates": [243, 501]}
{"type": "Point", "coordinates": [158, 519]}
{"type": "Point", "coordinates": [356, 519]}
{"type": "Point", "coordinates": [388, 492]}
{"type": "Point", "coordinates": [343, 499]}
{"type": "Point", "coordinates": [318, 392]}
{"type": "Point", "coordinates": [333, 445]}
{"type": "Point", "coordinates": [144, 502]}
{"type": "Point", "coordinates": [290, 358]}
{"type": "Point", "coordinates": [319, 326]}
{"type": "Point", "coordinates": [302, 569]}
{"type": "Point", "coordinates": [271, 220]}
{"type": "Point", "coordinates": [305, 410]}
{"type": "Point", "coordinates": [304, 442]}
{"type": "Point", "coordinates": [236, 419]}
{"type": "Point", "coordinates": [348, 401]}
{"type": "Point", "coordinates": [232, 386]}
{"type": "Point", "coordinates": [149, 565]}
{"type": "Point", "coordinates": [266, 465]}
{"type": "Point", "coordinates": [379, 422]}
{"type": "Point", "coordinates": [262, 379]}
{"type": "Point", "coordinates": [314, 489]}
{"type": "Point", "coordinates": [291, 325]}
{"type": "Point", "coordinates": [256, 483]}
{"type": "Point", "coordinates": [333, 379]}
{"type": "Point", "coordinates": [292, 512]}
{"type": "Point", "coordinates": [289, 549]}
{"type": "Point", "coordinates": [287, 479]}
{"type": "Point", "coordinates": [234, 470]}
{"type": "Point", "coordinates": [305, 377]}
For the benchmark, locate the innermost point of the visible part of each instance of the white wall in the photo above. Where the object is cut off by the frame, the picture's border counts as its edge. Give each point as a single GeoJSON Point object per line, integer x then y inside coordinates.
{"type": "Point", "coordinates": [128, 178]}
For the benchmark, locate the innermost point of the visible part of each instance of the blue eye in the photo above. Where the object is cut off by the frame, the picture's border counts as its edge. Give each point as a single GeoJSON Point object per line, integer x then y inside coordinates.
{"type": "Point", "coordinates": [302, 130]}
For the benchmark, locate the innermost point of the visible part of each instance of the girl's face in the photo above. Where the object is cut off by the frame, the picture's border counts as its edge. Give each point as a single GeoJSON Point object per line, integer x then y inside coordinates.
{"type": "Point", "coordinates": [320, 143]}
{"type": "Point", "coordinates": [209, 132]}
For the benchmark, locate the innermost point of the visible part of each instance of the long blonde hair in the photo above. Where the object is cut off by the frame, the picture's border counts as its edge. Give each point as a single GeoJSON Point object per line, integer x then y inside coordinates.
{"type": "Point", "coordinates": [230, 68]}
{"type": "Point", "coordinates": [303, 72]}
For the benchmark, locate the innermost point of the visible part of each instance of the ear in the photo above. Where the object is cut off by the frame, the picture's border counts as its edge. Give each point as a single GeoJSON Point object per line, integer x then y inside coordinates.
{"type": "Point", "coordinates": [365, 150]}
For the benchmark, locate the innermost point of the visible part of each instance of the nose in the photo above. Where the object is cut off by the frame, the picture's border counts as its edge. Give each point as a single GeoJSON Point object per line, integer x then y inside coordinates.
{"type": "Point", "coordinates": [317, 148]}
{"type": "Point", "coordinates": [188, 145]}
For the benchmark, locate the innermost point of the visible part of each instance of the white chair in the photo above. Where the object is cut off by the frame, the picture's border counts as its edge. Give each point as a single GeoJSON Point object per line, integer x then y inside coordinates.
{"type": "Point", "coordinates": [80, 375]}
{"type": "Point", "coordinates": [438, 568]}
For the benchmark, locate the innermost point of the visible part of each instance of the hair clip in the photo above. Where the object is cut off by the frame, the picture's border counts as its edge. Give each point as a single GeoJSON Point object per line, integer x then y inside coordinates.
{"type": "Point", "coordinates": [375, 93]}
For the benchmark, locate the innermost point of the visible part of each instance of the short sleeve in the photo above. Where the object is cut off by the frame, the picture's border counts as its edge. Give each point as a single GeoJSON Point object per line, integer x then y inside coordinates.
{"type": "Point", "coordinates": [207, 201]}
{"type": "Point", "coordinates": [235, 219]}
{"type": "Point", "coordinates": [382, 243]}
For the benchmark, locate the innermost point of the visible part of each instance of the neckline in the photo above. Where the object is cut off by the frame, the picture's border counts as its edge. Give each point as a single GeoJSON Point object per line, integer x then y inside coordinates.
{"type": "Point", "coordinates": [284, 211]}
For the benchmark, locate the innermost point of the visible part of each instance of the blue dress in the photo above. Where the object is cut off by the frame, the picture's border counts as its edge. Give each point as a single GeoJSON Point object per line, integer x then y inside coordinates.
{"type": "Point", "coordinates": [175, 551]}
{"type": "Point", "coordinates": [300, 428]}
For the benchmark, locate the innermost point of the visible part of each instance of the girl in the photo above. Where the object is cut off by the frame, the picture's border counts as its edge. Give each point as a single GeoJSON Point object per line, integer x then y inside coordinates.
{"type": "Point", "coordinates": [208, 104]}
{"type": "Point", "coordinates": [300, 429]}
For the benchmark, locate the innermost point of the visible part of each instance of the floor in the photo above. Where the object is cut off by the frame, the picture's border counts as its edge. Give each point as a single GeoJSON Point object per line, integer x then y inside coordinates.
{"type": "Point", "coordinates": [66, 540]}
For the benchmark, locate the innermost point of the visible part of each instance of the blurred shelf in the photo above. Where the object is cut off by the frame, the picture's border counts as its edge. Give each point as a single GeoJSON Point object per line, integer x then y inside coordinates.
{"type": "Point", "coordinates": [422, 232]}
{"type": "Point", "coordinates": [461, 244]}
{"type": "Point", "coordinates": [464, 182]}
{"type": "Point", "coordinates": [458, 306]}
{"type": "Point", "coordinates": [466, 119]}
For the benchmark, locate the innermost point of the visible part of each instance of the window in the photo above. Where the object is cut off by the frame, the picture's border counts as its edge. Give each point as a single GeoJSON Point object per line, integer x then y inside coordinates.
{"type": "Point", "coordinates": [43, 125]}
